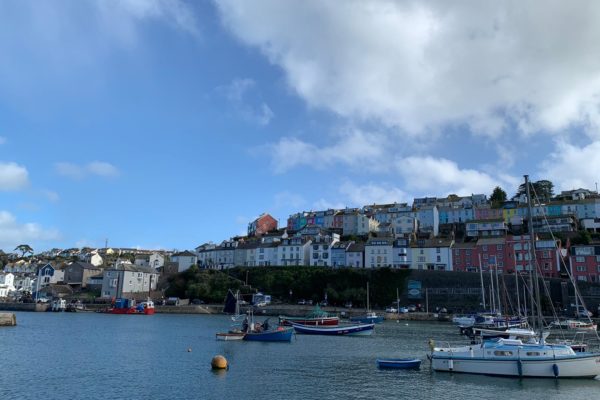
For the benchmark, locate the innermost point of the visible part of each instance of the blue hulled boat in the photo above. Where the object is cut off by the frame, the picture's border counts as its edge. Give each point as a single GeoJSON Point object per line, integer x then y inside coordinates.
{"type": "Point", "coordinates": [353, 330]}
{"type": "Point", "coordinates": [399, 363]}
{"type": "Point", "coordinates": [368, 318]}
{"type": "Point", "coordinates": [279, 334]}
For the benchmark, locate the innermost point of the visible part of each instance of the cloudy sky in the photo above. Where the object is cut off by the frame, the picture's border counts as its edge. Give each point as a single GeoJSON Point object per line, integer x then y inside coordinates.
{"type": "Point", "coordinates": [169, 123]}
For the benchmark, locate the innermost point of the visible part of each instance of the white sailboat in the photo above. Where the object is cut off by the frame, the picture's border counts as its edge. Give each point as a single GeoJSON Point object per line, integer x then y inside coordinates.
{"type": "Point", "coordinates": [518, 357]}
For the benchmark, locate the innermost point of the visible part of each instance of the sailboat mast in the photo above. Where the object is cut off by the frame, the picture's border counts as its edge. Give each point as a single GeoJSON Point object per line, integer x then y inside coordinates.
{"type": "Point", "coordinates": [532, 258]}
{"type": "Point", "coordinates": [481, 279]}
{"type": "Point", "coordinates": [368, 306]}
{"type": "Point", "coordinates": [517, 291]}
{"type": "Point", "coordinates": [492, 290]}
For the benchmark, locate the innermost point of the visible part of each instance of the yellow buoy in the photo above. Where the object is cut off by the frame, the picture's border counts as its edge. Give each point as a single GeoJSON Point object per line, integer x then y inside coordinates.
{"type": "Point", "coordinates": [219, 362]}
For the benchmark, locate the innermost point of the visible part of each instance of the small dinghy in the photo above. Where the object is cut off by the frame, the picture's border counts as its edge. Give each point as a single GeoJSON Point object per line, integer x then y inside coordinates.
{"type": "Point", "coordinates": [399, 363]}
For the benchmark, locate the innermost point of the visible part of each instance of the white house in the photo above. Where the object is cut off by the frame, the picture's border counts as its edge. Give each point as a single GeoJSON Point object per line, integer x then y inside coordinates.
{"type": "Point", "coordinates": [294, 251]}
{"type": "Point", "coordinates": [224, 254]}
{"type": "Point", "coordinates": [206, 255]}
{"type": "Point", "coordinates": [184, 260]}
{"type": "Point", "coordinates": [6, 284]}
{"type": "Point", "coordinates": [320, 249]}
{"type": "Point", "coordinates": [127, 280]}
{"type": "Point", "coordinates": [433, 254]}
{"type": "Point", "coordinates": [156, 260]}
{"type": "Point", "coordinates": [244, 254]}
{"type": "Point", "coordinates": [355, 255]}
{"type": "Point", "coordinates": [379, 252]}
{"type": "Point", "coordinates": [267, 254]}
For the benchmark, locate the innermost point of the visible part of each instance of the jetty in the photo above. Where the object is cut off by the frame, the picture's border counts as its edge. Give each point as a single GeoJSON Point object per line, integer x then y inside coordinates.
{"type": "Point", "coordinates": [8, 319]}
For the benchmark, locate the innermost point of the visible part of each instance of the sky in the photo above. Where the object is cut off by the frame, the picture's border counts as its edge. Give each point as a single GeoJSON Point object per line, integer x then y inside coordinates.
{"type": "Point", "coordinates": [164, 124]}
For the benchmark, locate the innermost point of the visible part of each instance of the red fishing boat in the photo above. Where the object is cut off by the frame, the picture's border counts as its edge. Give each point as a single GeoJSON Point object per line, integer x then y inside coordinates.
{"type": "Point", "coordinates": [130, 306]}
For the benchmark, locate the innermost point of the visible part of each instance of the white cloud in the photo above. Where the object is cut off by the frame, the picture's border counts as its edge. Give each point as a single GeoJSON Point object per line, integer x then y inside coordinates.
{"type": "Point", "coordinates": [355, 148]}
{"type": "Point", "coordinates": [288, 200]}
{"type": "Point", "coordinates": [51, 195]}
{"type": "Point", "coordinates": [13, 176]}
{"type": "Point", "coordinates": [370, 193]}
{"type": "Point", "coordinates": [13, 233]}
{"type": "Point", "coordinates": [572, 167]}
{"type": "Point", "coordinates": [75, 171]}
{"type": "Point", "coordinates": [439, 176]}
{"type": "Point", "coordinates": [238, 93]}
{"type": "Point", "coordinates": [323, 204]}
{"type": "Point", "coordinates": [101, 168]}
{"type": "Point", "coordinates": [421, 65]}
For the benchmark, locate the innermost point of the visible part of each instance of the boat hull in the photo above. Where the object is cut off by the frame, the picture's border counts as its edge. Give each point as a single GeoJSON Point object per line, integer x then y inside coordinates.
{"type": "Point", "coordinates": [230, 336]}
{"type": "Point", "coordinates": [278, 335]}
{"type": "Point", "coordinates": [321, 321]}
{"type": "Point", "coordinates": [584, 366]}
{"type": "Point", "coordinates": [367, 320]}
{"type": "Point", "coordinates": [348, 330]}
{"type": "Point", "coordinates": [131, 311]}
{"type": "Point", "coordinates": [399, 363]}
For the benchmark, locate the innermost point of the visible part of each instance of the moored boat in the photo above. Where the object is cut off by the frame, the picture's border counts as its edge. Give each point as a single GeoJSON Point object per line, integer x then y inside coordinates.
{"type": "Point", "coordinates": [399, 363]}
{"type": "Point", "coordinates": [513, 357]}
{"type": "Point", "coordinates": [368, 318]}
{"type": "Point", "coordinates": [230, 335]}
{"type": "Point", "coordinates": [574, 325]}
{"type": "Point", "coordinates": [279, 334]}
{"type": "Point", "coordinates": [130, 306]}
{"type": "Point", "coordinates": [315, 317]}
{"type": "Point", "coordinates": [349, 330]}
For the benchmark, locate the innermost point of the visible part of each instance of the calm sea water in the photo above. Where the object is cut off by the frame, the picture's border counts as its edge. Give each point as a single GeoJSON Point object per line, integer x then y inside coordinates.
{"type": "Point", "coordinates": [98, 356]}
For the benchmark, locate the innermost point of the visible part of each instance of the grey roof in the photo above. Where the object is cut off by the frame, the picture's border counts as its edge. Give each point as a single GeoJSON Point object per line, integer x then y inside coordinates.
{"type": "Point", "coordinates": [135, 268]}
{"type": "Point", "coordinates": [356, 247]}
{"type": "Point", "coordinates": [465, 245]}
{"type": "Point", "coordinates": [84, 265]}
{"type": "Point", "coordinates": [491, 241]}
{"type": "Point", "coordinates": [184, 253]}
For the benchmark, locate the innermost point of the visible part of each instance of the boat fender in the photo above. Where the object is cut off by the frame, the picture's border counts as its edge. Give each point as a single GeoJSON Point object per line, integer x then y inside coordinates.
{"type": "Point", "coordinates": [450, 364]}
{"type": "Point", "coordinates": [555, 370]}
{"type": "Point", "coordinates": [520, 367]}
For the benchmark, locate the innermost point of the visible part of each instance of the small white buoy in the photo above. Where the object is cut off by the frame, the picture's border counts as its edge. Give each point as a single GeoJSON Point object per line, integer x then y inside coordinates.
{"type": "Point", "coordinates": [189, 349]}
{"type": "Point", "coordinates": [406, 324]}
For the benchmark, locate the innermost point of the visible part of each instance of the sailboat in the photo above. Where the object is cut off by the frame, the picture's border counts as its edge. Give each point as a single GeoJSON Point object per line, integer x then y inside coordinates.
{"type": "Point", "coordinates": [232, 306]}
{"type": "Point", "coordinates": [369, 317]}
{"type": "Point", "coordinates": [518, 357]}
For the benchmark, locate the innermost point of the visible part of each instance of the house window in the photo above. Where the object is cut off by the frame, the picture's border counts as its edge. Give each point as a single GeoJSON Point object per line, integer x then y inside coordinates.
{"type": "Point", "coordinates": [581, 268]}
{"type": "Point", "coordinates": [580, 259]}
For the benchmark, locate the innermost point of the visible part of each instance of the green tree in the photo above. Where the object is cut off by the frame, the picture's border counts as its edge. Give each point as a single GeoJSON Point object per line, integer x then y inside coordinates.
{"type": "Point", "coordinates": [498, 197]}
{"type": "Point", "coordinates": [24, 249]}
{"type": "Point", "coordinates": [542, 190]}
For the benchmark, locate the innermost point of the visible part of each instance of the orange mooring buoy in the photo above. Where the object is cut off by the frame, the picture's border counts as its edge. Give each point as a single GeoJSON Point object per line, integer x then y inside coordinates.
{"type": "Point", "coordinates": [218, 362]}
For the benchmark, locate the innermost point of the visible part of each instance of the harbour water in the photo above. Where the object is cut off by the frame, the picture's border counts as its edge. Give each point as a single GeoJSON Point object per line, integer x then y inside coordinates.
{"type": "Point", "coordinates": [100, 356]}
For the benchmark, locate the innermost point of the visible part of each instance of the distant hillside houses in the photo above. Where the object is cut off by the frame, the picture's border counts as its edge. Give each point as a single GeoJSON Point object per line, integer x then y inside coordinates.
{"type": "Point", "coordinates": [60, 272]}
{"type": "Point", "coordinates": [455, 233]}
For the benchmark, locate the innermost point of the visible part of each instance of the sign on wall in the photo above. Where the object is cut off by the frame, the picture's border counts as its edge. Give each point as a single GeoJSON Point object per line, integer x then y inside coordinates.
{"type": "Point", "coordinates": [414, 289]}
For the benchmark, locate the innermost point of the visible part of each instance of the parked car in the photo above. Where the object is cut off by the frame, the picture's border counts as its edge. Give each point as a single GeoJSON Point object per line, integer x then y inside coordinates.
{"type": "Point", "coordinates": [172, 301]}
{"type": "Point", "coordinates": [391, 310]}
{"type": "Point", "coordinates": [403, 310]}
{"type": "Point", "coordinates": [324, 303]}
{"type": "Point", "coordinates": [301, 302]}
{"type": "Point", "coordinates": [197, 301]}
{"type": "Point", "coordinates": [412, 308]}
{"type": "Point", "coordinates": [348, 304]}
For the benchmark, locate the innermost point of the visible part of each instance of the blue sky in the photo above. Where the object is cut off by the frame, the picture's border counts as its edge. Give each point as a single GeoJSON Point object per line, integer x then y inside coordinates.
{"type": "Point", "coordinates": [169, 123]}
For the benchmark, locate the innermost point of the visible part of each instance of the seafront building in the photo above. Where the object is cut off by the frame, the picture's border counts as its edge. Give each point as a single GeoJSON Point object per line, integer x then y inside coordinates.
{"type": "Point", "coordinates": [453, 233]}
